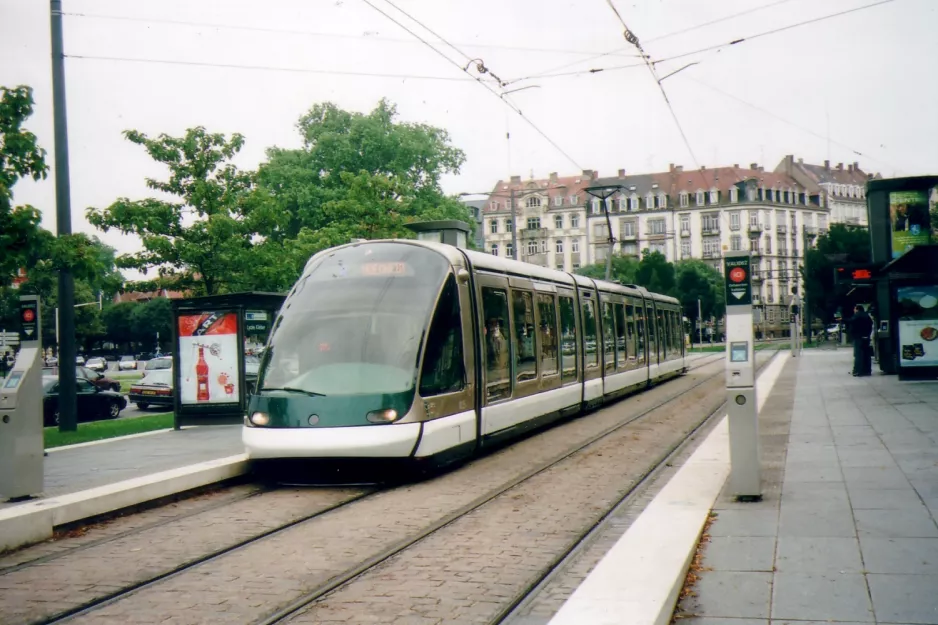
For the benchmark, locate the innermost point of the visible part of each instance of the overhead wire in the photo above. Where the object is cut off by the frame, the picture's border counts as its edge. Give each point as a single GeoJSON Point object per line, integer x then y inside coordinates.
{"type": "Point", "coordinates": [786, 121]}
{"type": "Point", "coordinates": [712, 48]}
{"type": "Point", "coordinates": [618, 51]}
{"type": "Point", "coordinates": [488, 87]}
{"type": "Point", "coordinates": [289, 31]}
{"type": "Point", "coordinates": [265, 68]}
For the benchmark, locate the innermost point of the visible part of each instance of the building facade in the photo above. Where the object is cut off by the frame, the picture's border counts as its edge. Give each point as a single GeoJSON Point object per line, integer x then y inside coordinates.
{"type": "Point", "coordinates": [843, 189]}
{"type": "Point", "coordinates": [681, 214]}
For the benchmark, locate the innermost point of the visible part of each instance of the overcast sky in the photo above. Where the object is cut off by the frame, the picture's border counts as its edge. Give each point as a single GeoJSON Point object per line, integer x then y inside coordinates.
{"type": "Point", "coordinates": [864, 80]}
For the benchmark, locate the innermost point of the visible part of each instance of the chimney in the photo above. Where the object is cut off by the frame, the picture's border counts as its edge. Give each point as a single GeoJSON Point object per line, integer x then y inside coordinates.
{"type": "Point", "coordinates": [827, 165]}
{"type": "Point", "coordinates": [587, 173]}
{"type": "Point", "coordinates": [671, 167]}
{"type": "Point", "coordinates": [840, 166]}
{"type": "Point", "coordinates": [850, 167]}
{"type": "Point", "coordinates": [621, 173]}
{"type": "Point", "coordinates": [856, 166]}
{"type": "Point", "coordinates": [801, 161]}
{"type": "Point", "coordinates": [678, 168]}
{"type": "Point", "coordinates": [753, 165]}
{"type": "Point", "coordinates": [516, 180]}
{"type": "Point", "coordinates": [703, 168]}
{"type": "Point", "coordinates": [735, 165]}
{"type": "Point", "coordinates": [553, 176]}
{"type": "Point", "coordinates": [595, 175]}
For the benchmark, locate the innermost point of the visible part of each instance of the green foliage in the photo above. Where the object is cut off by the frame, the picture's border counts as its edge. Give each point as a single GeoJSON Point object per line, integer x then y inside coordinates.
{"type": "Point", "coordinates": [20, 157]}
{"type": "Point", "coordinates": [623, 270]}
{"type": "Point", "coordinates": [151, 317]}
{"type": "Point", "coordinates": [818, 274]}
{"type": "Point", "coordinates": [118, 320]}
{"type": "Point", "coordinates": [206, 254]}
{"type": "Point", "coordinates": [99, 430]}
{"type": "Point", "coordinates": [655, 273]}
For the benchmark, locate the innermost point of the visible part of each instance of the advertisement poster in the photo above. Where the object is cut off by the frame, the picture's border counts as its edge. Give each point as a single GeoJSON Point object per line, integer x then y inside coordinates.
{"type": "Point", "coordinates": [208, 358]}
{"type": "Point", "coordinates": [908, 217]}
{"type": "Point", "coordinates": [918, 326]}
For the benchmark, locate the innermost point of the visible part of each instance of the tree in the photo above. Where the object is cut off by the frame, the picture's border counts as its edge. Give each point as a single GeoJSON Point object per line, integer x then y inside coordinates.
{"type": "Point", "coordinates": [118, 320]}
{"type": "Point", "coordinates": [623, 270]}
{"type": "Point", "coordinates": [152, 318]}
{"type": "Point", "coordinates": [696, 280]}
{"type": "Point", "coordinates": [848, 242]}
{"type": "Point", "coordinates": [20, 157]}
{"type": "Point", "coordinates": [204, 255]}
{"type": "Point", "coordinates": [655, 273]}
{"type": "Point", "coordinates": [356, 176]}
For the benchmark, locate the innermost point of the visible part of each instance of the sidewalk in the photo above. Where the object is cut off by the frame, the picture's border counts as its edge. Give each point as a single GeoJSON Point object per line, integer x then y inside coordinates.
{"type": "Point", "coordinates": [846, 531]}
{"type": "Point", "coordinates": [95, 478]}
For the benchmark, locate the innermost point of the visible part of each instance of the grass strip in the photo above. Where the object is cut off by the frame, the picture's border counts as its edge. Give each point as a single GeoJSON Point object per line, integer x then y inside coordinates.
{"type": "Point", "coordinates": [99, 430]}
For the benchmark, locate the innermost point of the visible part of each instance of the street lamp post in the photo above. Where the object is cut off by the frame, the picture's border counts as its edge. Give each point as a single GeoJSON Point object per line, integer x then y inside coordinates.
{"type": "Point", "coordinates": [603, 193]}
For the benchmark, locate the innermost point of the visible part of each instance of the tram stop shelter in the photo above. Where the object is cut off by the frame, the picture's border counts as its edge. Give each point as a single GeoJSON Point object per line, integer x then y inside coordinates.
{"type": "Point", "coordinates": [904, 242]}
{"type": "Point", "coordinates": [212, 335]}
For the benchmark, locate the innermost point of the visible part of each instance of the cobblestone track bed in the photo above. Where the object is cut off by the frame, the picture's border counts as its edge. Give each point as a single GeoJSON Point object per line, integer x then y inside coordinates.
{"type": "Point", "coordinates": [547, 599]}
{"type": "Point", "coordinates": [40, 591]}
{"type": "Point", "coordinates": [473, 569]}
{"type": "Point", "coordinates": [253, 581]}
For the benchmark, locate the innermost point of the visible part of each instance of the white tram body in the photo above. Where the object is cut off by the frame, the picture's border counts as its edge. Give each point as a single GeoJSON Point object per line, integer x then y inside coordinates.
{"type": "Point", "coordinates": [411, 349]}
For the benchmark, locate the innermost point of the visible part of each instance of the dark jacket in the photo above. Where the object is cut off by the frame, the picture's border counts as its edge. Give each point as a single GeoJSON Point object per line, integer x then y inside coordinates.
{"type": "Point", "coordinates": [861, 326]}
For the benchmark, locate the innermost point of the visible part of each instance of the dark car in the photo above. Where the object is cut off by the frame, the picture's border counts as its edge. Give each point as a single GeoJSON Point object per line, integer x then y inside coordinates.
{"type": "Point", "coordinates": [154, 389]}
{"type": "Point", "coordinates": [92, 402]}
{"type": "Point", "coordinates": [84, 373]}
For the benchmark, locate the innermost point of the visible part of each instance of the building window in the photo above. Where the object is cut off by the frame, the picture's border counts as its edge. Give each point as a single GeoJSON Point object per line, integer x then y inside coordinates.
{"type": "Point", "coordinates": [532, 248]}
{"type": "Point", "coordinates": [734, 195]}
{"type": "Point", "coordinates": [559, 266]}
{"type": "Point", "coordinates": [685, 223]}
{"type": "Point", "coordinates": [574, 200]}
{"type": "Point", "coordinates": [754, 245]}
{"type": "Point", "coordinates": [770, 292]}
{"type": "Point", "coordinates": [493, 226]}
{"type": "Point", "coordinates": [558, 246]}
{"type": "Point", "coordinates": [601, 231]}
{"type": "Point", "coordinates": [658, 246]}
{"type": "Point", "coordinates": [494, 206]}
{"type": "Point", "coordinates": [736, 243]}
{"type": "Point", "coordinates": [558, 201]}
{"type": "Point", "coordinates": [710, 222]}
{"type": "Point", "coordinates": [494, 249]}
{"type": "Point", "coordinates": [509, 226]}
{"type": "Point", "coordinates": [734, 220]}
{"type": "Point", "coordinates": [629, 248]}
{"type": "Point", "coordinates": [684, 199]}
{"type": "Point", "coordinates": [657, 226]}
{"type": "Point", "coordinates": [685, 249]}
{"type": "Point", "coordinates": [532, 202]}
{"type": "Point", "coordinates": [711, 248]}
{"type": "Point", "coordinates": [751, 194]}
{"type": "Point", "coordinates": [754, 218]}
{"type": "Point", "coordinates": [628, 228]}
{"type": "Point", "coordinates": [575, 246]}
{"type": "Point", "coordinates": [714, 196]}
{"type": "Point", "coordinates": [649, 201]}
{"type": "Point", "coordinates": [534, 223]}
{"type": "Point", "coordinates": [662, 200]}
{"type": "Point", "coordinates": [558, 221]}
{"type": "Point", "coordinates": [622, 203]}
{"type": "Point", "coordinates": [633, 203]}
{"type": "Point", "coordinates": [574, 221]}
{"type": "Point", "coordinates": [594, 206]}
{"type": "Point", "coordinates": [823, 221]}
{"type": "Point", "coordinates": [700, 198]}
{"type": "Point", "coordinates": [768, 245]}
{"type": "Point", "coordinates": [509, 251]}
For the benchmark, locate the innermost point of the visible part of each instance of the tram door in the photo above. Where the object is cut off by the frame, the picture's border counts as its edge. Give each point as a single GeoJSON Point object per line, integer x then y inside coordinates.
{"type": "Point", "coordinates": [653, 334]}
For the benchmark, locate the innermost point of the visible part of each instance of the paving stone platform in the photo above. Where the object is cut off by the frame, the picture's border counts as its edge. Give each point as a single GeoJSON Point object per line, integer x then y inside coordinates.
{"type": "Point", "coordinates": [847, 530]}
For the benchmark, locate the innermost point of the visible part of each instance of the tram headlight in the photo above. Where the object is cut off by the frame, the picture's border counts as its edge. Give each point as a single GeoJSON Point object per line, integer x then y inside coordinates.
{"type": "Point", "coordinates": [388, 415]}
{"type": "Point", "coordinates": [260, 418]}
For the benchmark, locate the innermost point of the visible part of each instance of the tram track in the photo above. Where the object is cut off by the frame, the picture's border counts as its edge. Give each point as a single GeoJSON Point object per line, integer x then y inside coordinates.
{"type": "Point", "coordinates": [351, 573]}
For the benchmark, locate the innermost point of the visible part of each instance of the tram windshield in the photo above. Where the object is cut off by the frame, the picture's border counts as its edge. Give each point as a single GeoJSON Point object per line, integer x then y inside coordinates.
{"type": "Point", "coordinates": [355, 322]}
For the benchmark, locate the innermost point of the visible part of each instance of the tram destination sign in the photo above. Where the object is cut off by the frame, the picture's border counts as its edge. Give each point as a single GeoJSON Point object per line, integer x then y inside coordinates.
{"type": "Point", "coordinates": [738, 281]}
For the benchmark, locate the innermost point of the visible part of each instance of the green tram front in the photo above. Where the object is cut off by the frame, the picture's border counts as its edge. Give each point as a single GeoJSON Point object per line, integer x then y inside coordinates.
{"type": "Point", "coordinates": [368, 331]}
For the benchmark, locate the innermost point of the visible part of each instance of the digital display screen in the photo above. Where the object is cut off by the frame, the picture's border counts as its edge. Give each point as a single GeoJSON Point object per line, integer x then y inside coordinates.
{"type": "Point", "coordinates": [384, 269]}
{"type": "Point", "coordinates": [14, 380]}
{"type": "Point", "coordinates": [739, 352]}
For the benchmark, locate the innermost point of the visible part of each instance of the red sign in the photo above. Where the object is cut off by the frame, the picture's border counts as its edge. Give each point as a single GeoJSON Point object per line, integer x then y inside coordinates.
{"type": "Point", "coordinates": [28, 315]}
{"type": "Point", "coordinates": [862, 274]}
{"type": "Point", "coordinates": [738, 274]}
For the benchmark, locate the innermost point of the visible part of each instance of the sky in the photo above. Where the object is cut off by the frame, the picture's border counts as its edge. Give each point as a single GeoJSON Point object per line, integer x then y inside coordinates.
{"type": "Point", "coordinates": [857, 87]}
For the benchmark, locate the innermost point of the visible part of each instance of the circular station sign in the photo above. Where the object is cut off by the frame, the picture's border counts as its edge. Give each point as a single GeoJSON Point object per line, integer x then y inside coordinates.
{"type": "Point", "coordinates": [737, 274]}
{"type": "Point", "coordinates": [28, 315]}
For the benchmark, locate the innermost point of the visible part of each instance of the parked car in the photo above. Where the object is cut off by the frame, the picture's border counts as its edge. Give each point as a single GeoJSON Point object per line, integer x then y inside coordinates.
{"type": "Point", "coordinates": [97, 364]}
{"type": "Point", "coordinates": [154, 389]}
{"type": "Point", "coordinates": [252, 365]}
{"type": "Point", "coordinates": [79, 359]}
{"type": "Point", "coordinates": [161, 362]}
{"type": "Point", "coordinates": [127, 363]}
{"type": "Point", "coordinates": [92, 402]}
{"type": "Point", "coordinates": [99, 380]}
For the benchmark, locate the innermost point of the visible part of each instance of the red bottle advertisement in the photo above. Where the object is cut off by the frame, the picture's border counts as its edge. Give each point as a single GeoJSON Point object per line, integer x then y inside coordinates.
{"type": "Point", "coordinates": [208, 358]}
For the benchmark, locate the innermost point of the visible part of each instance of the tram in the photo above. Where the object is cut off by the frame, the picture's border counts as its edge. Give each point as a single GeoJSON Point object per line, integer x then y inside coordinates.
{"type": "Point", "coordinates": [423, 351]}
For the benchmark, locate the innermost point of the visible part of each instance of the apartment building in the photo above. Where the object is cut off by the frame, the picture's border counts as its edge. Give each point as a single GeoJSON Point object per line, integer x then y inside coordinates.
{"type": "Point", "coordinates": [843, 188]}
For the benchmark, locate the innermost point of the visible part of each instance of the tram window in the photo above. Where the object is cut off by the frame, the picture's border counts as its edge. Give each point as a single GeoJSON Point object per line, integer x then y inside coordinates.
{"type": "Point", "coordinates": [621, 352]}
{"type": "Point", "coordinates": [443, 368]}
{"type": "Point", "coordinates": [609, 339]}
{"type": "Point", "coordinates": [630, 329]}
{"type": "Point", "coordinates": [662, 336]}
{"type": "Point", "coordinates": [525, 353]}
{"type": "Point", "coordinates": [652, 334]}
{"type": "Point", "coordinates": [640, 333]}
{"type": "Point", "coordinates": [567, 339]}
{"type": "Point", "coordinates": [497, 349]}
{"type": "Point", "coordinates": [548, 333]}
{"type": "Point", "coordinates": [589, 334]}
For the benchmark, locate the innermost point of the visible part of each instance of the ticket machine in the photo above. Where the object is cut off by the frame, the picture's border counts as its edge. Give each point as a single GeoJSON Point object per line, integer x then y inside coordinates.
{"type": "Point", "coordinates": [21, 437]}
{"type": "Point", "coordinates": [742, 408]}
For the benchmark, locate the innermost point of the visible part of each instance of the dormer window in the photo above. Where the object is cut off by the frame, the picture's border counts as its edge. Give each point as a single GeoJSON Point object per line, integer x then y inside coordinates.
{"type": "Point", "coordinates": [494, 206]}
{"type": "Point", "coordinates": [684, 198]}
{"type": "Point", "coordinates": [714, 196]}
{"type": "Point", "coordinates": [700, 198]}
{"type": "Point", "coordinates": [649, 201]}
{"type": "Point", "coordinates": [734, 195]}
{"type": "Point", "coordinates": [533, 202]}
{"type": "Point", "coordinates": [662, 200]}
{"type": "Point", "coordinates": [633, 202]}
{"type": "Point", "coordinates": [558, 201]}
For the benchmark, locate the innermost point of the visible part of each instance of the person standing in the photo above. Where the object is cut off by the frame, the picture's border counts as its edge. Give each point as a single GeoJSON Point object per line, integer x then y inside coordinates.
{"type": "Point", "coordinates": [861, 326]}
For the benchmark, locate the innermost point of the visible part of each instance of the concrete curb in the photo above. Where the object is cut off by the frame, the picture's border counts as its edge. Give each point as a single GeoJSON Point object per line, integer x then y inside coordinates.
{"type": "Point", "coordinates": [638, 581]}
{"type": "Point", "coordinates": [35, 521]}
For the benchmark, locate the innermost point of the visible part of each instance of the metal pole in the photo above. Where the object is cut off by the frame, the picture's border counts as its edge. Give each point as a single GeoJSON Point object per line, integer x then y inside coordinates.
{"type": "Point", "coordinates": [514, 228]}
{"type": "Point", "coordinates": [699, 320]}
{"type": "Point", "coordinates": [67, 407]}
{"type": "Point", "coordinates": [612, 241]}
